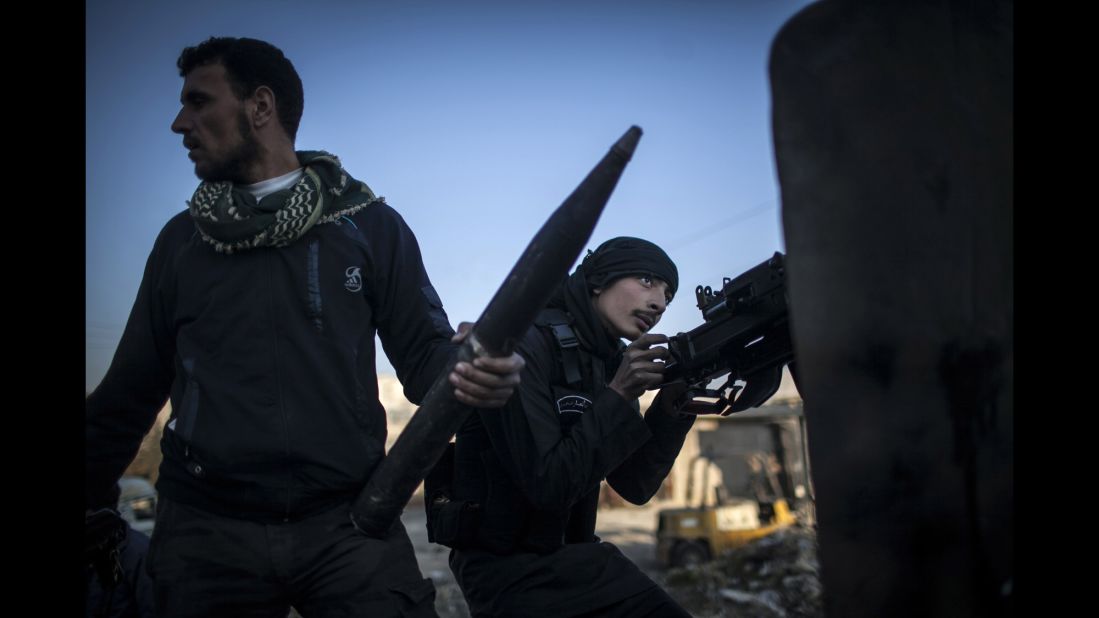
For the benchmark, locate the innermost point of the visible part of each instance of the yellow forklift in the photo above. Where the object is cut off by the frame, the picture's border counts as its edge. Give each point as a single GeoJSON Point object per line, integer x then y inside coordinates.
{"type": "Point", "coordinates": [693, 535]}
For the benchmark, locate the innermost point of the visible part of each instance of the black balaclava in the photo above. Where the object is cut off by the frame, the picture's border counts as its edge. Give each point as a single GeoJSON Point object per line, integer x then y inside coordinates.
{"type": "Point", "coordinates": [618, 257]}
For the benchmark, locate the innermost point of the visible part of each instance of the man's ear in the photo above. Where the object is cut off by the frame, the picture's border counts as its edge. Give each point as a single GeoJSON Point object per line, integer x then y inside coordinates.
{"type": "Point", "coordinates": [263, 107]}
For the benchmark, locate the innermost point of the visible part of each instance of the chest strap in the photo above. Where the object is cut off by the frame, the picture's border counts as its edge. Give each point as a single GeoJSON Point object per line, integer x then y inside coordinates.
{"type": "Point", "coordinates": [569, 346]}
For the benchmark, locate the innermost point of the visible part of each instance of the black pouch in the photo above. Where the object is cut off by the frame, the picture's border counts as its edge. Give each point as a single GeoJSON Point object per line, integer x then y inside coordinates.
{"type": "Point", "coordinates": [455, 523]}
{"type": "Point", "coordinates": [451, 523]}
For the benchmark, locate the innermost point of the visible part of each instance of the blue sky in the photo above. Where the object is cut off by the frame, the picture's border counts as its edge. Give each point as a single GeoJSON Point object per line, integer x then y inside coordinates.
{"type": "Point", "coordinates": [474, 120]}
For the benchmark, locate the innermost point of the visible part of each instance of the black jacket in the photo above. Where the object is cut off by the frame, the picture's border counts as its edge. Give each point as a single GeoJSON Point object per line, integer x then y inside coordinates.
{"type": "Point", "coordinates": [268, 358]}
{"type": "Point", "coordinates": [535, 466]}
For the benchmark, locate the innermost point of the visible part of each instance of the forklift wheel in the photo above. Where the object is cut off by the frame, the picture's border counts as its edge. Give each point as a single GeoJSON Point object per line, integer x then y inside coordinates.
{"type": "Point", "coordinates": [689, 554]}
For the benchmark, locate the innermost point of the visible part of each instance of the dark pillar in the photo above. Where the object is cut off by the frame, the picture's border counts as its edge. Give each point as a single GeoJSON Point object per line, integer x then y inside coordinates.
{"type": "Point", "coordinates": [893, 140]}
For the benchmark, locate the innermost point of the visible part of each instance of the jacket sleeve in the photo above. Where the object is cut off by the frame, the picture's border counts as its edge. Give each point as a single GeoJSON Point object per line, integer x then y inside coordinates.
{"type": "Point", "coordinates": [555, 468]}
{"type": "Point", "coordinates": [412, 325]}
{"type": "Point", "coordinates": [639, 477]}
{"type": "Point", "coordinates": [122, 409]}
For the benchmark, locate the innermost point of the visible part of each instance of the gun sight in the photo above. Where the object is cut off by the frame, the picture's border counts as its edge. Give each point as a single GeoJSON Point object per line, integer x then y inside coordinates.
{"type": "Point", "coordinates": [745, 335]}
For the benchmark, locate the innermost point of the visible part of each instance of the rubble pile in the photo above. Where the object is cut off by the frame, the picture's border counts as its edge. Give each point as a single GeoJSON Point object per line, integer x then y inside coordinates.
{"type": "Point", "coordinates": [776, 576]}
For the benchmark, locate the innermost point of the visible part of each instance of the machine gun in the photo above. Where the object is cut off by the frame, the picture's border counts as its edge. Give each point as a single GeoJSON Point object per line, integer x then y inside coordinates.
{"type": "Point", "coordinates": [745, 334]}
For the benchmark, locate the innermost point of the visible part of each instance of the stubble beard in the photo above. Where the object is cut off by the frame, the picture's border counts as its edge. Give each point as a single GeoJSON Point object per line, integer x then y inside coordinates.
{"type": "Point", "coordinates": [234, 167]}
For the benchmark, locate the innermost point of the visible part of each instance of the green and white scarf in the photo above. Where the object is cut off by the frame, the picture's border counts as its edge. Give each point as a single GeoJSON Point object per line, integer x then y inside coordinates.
{"type": "Point", "coordinates": [231, 219]}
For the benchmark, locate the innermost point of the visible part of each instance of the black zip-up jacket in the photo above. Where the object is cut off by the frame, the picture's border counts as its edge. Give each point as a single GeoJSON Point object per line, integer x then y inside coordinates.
{"type": "Point", "coordinates": [267, 356]}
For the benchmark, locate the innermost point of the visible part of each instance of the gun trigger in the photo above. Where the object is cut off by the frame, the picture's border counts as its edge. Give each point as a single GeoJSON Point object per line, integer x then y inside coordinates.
{"type": "Point", "coordinates": [695, 401]}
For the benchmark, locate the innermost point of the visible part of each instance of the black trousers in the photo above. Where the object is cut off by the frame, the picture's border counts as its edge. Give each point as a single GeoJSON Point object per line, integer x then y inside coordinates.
{"type": "Point", "coordinates": [581, 580]}
{"type": "Point", "coordinates": [653, 603]}
{"type": "Point", "coordinates": [208, 565]}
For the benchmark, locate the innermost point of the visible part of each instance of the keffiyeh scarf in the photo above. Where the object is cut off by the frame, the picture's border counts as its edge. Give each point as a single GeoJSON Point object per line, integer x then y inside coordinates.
{"type": "Point", "coordinates": [230, 218]}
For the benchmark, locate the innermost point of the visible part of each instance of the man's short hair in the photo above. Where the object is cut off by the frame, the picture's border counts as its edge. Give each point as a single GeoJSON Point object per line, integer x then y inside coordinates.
{"type": "Point", "coordinates": [249, 64]}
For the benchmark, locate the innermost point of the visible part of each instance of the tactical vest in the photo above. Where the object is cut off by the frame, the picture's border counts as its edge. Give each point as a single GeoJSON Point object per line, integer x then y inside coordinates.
{"type": "Point", "coordinates": [573, 363]}
{"type": "Point", "coordinates": [508, 524]}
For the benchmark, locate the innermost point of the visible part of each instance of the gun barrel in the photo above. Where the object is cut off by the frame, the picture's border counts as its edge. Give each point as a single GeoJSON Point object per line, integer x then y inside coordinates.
{"type": "Point", "coordinates": [508, 315]}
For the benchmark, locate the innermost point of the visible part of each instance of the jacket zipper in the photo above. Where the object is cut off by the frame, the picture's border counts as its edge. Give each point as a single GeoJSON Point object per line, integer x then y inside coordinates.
{"type": "Point", "coordinates": [278, 381]}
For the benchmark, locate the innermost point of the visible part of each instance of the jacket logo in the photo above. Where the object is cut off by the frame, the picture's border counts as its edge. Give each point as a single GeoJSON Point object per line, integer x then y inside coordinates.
{"type": "Point", "coordinates": [573, 403]}
{"type": "Point", "coordinates": [354, 281]}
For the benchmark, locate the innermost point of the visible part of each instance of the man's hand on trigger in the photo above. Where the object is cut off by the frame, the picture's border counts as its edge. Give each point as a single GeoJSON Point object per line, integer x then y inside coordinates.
{"type": "Point", "coordinates": [642, 366]}
{"type": "Point", "coordinates": [489, 381]}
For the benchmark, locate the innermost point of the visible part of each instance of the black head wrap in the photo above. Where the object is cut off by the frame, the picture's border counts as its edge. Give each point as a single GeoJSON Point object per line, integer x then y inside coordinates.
{"type": "Point", "coordinates": [625, 256]}
{"type": "Point", "coordinates": [618, 257]}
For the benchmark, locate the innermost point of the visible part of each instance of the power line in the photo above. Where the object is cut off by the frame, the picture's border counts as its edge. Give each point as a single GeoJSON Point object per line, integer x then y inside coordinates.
{"type": "Point", "coordinates": [711, 229]}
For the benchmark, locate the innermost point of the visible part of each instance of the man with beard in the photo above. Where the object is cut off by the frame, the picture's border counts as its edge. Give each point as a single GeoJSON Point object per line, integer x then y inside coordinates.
{"type": "Point", "coordinates": [256, 316]}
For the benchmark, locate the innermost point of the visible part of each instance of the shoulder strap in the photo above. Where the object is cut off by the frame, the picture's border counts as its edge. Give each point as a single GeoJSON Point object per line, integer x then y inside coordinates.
{"type": "Point", "coordinates": [568, 345]}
